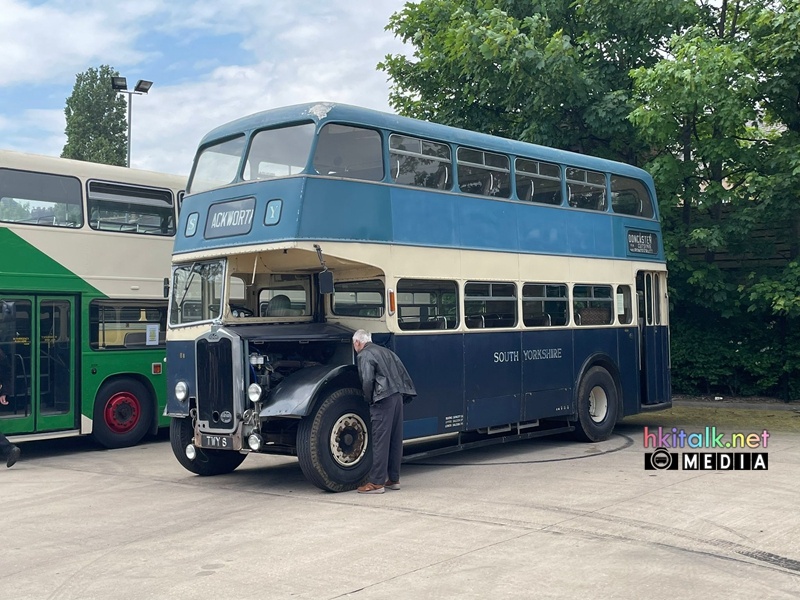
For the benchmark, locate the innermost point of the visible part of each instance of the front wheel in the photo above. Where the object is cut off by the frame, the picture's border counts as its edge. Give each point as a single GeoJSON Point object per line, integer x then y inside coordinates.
{"type": "Point", "coordinates": [206, 462]}
{"type": "Point", "coordinates": [597, 406]}
{"type": "Point", "coordinates": [333, 443]}
{"type": "Point", "coordinates": [123, 413]}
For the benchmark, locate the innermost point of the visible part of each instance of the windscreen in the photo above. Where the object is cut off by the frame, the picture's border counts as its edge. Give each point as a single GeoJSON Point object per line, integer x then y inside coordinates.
{"type": "Point", "coordinates": [217, 165]}
{"type": "Point", "coordinates": [279, 152]}
{"type": "Point", "coordinates": [197, 291]}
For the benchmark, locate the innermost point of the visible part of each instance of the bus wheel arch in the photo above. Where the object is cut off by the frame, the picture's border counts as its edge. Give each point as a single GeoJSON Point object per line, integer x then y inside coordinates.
{"type": "Point", "coordinates": [598, 401]}
{"type": "Point", "coordinates": [334, 441]}
{"type": "Point", "coordinates": [124, 411]}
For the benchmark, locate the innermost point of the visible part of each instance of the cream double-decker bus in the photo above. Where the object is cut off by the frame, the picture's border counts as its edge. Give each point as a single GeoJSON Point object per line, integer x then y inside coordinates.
{"type": "Point", "coordinates": [84, 260]}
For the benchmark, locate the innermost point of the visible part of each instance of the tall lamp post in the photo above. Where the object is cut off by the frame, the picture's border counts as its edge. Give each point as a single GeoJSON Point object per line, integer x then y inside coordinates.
{"type": "Point", "coordinates": [120, 84]}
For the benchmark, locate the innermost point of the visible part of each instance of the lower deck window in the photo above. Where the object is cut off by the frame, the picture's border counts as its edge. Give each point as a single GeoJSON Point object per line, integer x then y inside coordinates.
{"type": "Point", "coordinates": [127, 324]}
{"type": "Point", "coordinates": [545, 304]}
{"type": "Point", "coordinates": [593, 305]}
{"type": "Point", "coordinates": [490, 305]}
{"type": "Point", "coordinates": [359, 298]}
{"type": "Point", "coordinates": [424, 304]}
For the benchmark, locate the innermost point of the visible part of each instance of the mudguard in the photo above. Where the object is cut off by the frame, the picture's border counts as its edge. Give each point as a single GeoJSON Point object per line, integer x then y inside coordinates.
{"type": "Point", "coordinates": [294, 396]}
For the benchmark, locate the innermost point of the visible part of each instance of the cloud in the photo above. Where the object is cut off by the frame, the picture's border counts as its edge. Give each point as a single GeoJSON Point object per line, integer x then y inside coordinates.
{"type": "Point", "coordinates": [211, 62]}
{"type": "Point", "coordinates": [53, 42]}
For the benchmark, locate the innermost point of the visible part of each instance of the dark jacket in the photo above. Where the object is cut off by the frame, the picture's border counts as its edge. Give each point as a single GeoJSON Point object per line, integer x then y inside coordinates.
{"type": "Point", "coordinates": [383, 374]}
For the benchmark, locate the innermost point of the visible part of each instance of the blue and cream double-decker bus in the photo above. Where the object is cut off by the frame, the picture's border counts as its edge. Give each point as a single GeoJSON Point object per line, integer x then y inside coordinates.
{"type": "Point", "coordinates": [523, 287]}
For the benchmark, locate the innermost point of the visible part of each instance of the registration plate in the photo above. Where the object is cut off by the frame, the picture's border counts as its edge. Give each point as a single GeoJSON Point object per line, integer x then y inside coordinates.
{"type": "Point", "coordinates": [223, 442]}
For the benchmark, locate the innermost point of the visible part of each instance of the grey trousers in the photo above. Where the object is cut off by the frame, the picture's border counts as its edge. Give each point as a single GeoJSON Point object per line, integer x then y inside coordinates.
{"type": "Point", "coordinates": [387, 439]}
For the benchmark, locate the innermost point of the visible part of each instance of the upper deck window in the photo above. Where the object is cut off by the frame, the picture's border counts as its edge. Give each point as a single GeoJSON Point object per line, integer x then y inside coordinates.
{"type": "Point", "coordinates": [483, 173]}
{"type": "Point", "coordinates": [128, 208]}
{"type": "Point", "coordinates": [419, 162]}
{"type": "Point", "coordinates": [586, 189]}
{"type": "Point", "coordinates": [538, 181]}
{"type": "Point", "coordinates": [350, 152]}
{"type": "Point", "coordinates": [279, 152]}
{"type": "Point", "coordinates": [630, 197]}
{"type": "Point", "coordinates": [40, 199]}
{"type": "Point", "coordinates": [217, 165]}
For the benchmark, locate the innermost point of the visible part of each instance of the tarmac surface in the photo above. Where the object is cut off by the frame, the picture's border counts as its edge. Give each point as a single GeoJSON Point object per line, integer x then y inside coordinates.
{"type": "Point", "coordinates": [544, 518]}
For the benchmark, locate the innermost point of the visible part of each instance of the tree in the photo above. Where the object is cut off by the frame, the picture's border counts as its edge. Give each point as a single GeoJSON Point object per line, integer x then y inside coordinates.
{"type": "Point", "coordinates": [96, 119]}
{"type": "Point", "coordinates": [702, 94]}
{"type": "Point", "coordinates": [554, 72]}
{"type": "Point", "coordinates": [721, 112]}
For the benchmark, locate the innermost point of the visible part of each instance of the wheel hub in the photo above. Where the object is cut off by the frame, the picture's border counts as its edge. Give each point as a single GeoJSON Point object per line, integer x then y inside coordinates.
{"type": "Point", "coordinates": [122, 412]}
{"type": "Point", "coordinates": [349, 439]}
{"type": "Point", "coordinates": [598, 404]}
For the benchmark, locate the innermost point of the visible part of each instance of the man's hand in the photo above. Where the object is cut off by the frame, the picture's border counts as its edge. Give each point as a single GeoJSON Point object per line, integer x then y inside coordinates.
{"type": "Point", "coordinates": [3, 400]}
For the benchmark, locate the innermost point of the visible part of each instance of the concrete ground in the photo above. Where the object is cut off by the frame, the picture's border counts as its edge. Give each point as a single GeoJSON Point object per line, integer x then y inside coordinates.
{"type": "Point", "coordinates": [545, 518]}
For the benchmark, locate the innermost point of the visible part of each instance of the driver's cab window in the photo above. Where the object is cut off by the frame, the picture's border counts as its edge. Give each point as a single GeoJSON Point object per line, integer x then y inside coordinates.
{"type": "Point", "coordinates": [269, 295]}
{"type": "Point", "coordinates": [237, 298]}
{"type": "Point", "coordinates": [285, 296]}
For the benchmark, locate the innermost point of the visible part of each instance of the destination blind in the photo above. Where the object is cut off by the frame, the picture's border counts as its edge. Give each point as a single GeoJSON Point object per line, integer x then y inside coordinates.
{"type": "Point", "coordinates": [227, 219]}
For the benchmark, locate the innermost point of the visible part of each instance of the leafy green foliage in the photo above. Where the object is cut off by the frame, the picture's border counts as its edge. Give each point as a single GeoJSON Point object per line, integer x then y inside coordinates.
{"type": "Point", "coordinates": [96, 119]}
{"type": "Point", "coordinates": [704, 95]}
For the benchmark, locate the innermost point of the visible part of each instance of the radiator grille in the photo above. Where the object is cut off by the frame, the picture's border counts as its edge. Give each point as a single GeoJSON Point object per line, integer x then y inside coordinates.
{"type": "Point", "coordinates": [215, 402]}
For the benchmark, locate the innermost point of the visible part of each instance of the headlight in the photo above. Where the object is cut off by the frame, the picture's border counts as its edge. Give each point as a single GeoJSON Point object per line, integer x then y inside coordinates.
{"type": "Point", "coordinates": [181, 391]}
{"type": "Point", "coordinates": [254, 392]}
{"type": "Point", "coordinates": [254, 440]}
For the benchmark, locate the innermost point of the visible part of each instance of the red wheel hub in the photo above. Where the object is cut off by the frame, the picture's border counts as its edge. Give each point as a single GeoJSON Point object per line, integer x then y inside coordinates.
{"type": "Point", "coordinates": [122, 412]}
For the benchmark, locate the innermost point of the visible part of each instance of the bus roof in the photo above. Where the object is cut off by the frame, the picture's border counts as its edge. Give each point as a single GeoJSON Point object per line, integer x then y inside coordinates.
{"type": "Point", "coordinates": [23, 161]}
{"type": "Point", "coordinates": [322, 112]}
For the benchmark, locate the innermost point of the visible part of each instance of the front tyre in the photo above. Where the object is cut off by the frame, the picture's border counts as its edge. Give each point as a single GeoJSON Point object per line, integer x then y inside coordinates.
{"type": "Point", "coordinates": [206, 462]}
{"type": "Point", "coordinates": [123, 413]}
{"type": "Point", "coordinates": [333, 443]}
{"type": "Point", "coordinates": [597, 406]}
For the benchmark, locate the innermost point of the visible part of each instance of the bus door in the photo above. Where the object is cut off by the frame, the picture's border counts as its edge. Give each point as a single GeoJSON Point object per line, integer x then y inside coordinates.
{"type": "Point", "coordinates": [653, 338]}
{"type": "Point", "coordinates": [37, 364]}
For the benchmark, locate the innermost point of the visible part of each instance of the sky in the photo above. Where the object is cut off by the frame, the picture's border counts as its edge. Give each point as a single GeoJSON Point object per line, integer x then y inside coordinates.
{"type": "Point", "coordinates": [210, 61]}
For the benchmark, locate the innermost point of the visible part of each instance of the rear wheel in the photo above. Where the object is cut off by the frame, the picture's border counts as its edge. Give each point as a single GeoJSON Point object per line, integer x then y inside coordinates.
{"type": "Point", "coordinates": [597, 406]}
{"type": "Point", "coordinates": [333, 444]}
{"type": "Point", "coordinates": [123, 413]}
{"type": "Point", "coordinates": [205, 462]}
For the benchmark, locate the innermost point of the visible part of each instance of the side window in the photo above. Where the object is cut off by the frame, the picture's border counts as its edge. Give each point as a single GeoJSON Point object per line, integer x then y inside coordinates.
{"type": "Point", "coordinates": [592, 305]}
{"type": "Point", "coordinates": [424, 304]}
{"type": "Point", "coordinates": [483, 173]}
{"type": "Point", "coordinates": [421, 163]}
{"type": "Point", "coordinates": [648, 297]}
{"type": "Point", "coordinates": [489, 305]}
{"type": "Point", "coordinates": [586, 189]}
{"type": "Point", "coordinates": [40, 199]}
{"type": "Point", "coordinates": [624, 306]}
{"type": "Point", "coordinates": [284, 299]}
{"type": "Point", "coordinates": [130, 209]}
{"type": "Point", "coordinates": [115, 324]}
{"type": "Point", "coordinates": [538, 181]}
{"type": "Point", "coordinates": [350, 152]}
{"type": "Point", "coordinates": [545, 304]}
{"type": "Point", "coordinates": [631, 197]}
{"type": "Point", "coordinates": [359, 298]}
